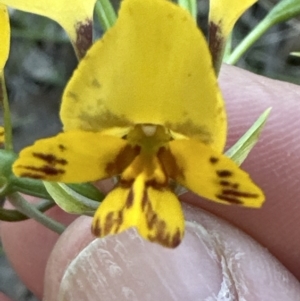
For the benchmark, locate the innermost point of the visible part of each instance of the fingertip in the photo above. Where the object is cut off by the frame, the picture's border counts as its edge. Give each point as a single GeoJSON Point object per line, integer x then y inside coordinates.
{"type": "Point", "coordinates": [214, 259]}
{"type": "Point", "coordinates": [4, 297]}
{"type": "Point", "coordinates": [28, 244]}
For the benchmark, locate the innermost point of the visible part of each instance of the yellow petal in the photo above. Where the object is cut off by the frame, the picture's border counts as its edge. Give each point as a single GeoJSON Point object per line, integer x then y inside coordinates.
{"type": "Point", "coordinates": [4, 36]}
{"type": "Point", "coordinates": [210, 174]}
{"type": "Point", "coordinates": [74, 156]}
{"type": "Point", "coordinates": [163, 220]}
{"type": "Point", "coordinates": [75, 16]}
{"type": "Point", "coordinates": [157, 215]}
{"type": "Point", "coordinates": [2, 137]}
{"type": "Point", "coordinates": [224, 13]}
{"type": "Point", "coordinates": [154, 67]}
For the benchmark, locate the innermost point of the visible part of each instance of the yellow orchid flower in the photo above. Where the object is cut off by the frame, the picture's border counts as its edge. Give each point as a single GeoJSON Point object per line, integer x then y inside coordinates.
{"type": "Point", "coordinates": [144, 105]}
{"type": "Point", "coordinates": [223, 15]}
{"type": "Point", "coordinates": [4, 51]}
{"type": "Point", "coordinates": [75, 17]}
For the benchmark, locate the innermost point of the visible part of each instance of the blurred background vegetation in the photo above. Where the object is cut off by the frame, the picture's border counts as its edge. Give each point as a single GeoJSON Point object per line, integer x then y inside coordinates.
{"type": "Point", "coordinates": [42, 60]}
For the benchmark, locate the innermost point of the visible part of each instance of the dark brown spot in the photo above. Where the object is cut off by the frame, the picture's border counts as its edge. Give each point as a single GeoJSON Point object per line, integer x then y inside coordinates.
{"type": "Point", "coordinates": [109, 223]}
{"type": "Point", "coordinates": [50, 158]}
{"type": "Point", "coordinates": [176, 239]}
{"type": "Point", "coordinates": [119, 221]}
{"type": "Point", "coordinates": [169, 164]}
{"type": "Point", "coordinates": [84, 37]}
{"type": "Point", "coordinates": [32, 175]}
{"type": "Point", "coordinates": [125, 183]}
{"type": "Point", "coordinates": [229, 184]}
{"type": "Point", "coordinates": [61, 147]}
{"type": "Point", "coordinates": [129, 200]}
{"type": "Point", "coordinates": [122, 160]}
{"type": "Point", "coordinates": [229, 199]}
{"type": "Point", "coordinates": [235, 185]}
{"type": "Point", "coordinates": [152, 220]}
{"type": "Point", "coordinates": [156, 185]}
{"type": "Point", "coordinates": [239, 193]}
{"type": "Point", "coordinates": [216, 42]}
{"type": "Point", "coordinates": [1, 133]}
{"type": "Point", "coordinates": [213, 160]}
{"type": "Point", "coordinates": [224, 173]}
{"type": "Point", "coordinates": [47, 170]}
{"type": "Point", "coordinates": [225, 183]}
{"type": "Point", "coordinates": [145, 201]}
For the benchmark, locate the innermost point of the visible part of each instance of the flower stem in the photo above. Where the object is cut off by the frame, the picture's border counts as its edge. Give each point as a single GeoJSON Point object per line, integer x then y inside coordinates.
{"type": "Point", "coordinates": [31, 211]}
{"type": "Point", "coordinates": [254, 35]}
{"type": "Point", "coordinates": [10, 215]}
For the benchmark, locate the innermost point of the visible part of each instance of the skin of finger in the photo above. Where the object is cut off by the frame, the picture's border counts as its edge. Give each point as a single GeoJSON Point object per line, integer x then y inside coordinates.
{"type": "Point", "coordinates": [247, 95]}
{"type": "Point", "coordinates": [4, 298]}
{"type": "Point", "coordinates": [274, 163]}
{"type": "Point", "coordinates": [28, 244]}
{"type": "Point", "coordinates": [214, 260]}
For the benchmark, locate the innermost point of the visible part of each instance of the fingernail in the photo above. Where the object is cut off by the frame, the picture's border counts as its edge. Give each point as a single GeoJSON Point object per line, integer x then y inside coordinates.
{"type": "Point", "coordinates": [214, 262]}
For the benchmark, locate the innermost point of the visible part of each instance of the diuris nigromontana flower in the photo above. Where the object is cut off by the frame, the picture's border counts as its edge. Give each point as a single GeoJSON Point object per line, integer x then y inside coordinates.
{"type": "Point", "coordinates": [144, 105]}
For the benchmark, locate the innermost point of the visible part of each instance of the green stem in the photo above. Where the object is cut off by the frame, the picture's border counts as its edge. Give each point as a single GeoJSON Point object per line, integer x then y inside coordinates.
{"type": "Point", "coordinates": [30, 186]}
{"type": "Point", "coordinates": [31, 211]}
{"type": "Point", "coordinates": [10, 215]}
{"type": "Point", "coordinates": [7, 116]}
{"type": "Point", "coordinates": [254, 35]}
{"type": "Point", "coordinates": [105, 13]}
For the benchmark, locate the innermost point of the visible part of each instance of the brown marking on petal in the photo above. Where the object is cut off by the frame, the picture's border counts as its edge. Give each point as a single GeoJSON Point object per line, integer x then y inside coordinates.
{"type": "Point", "coordinates": [96, 83]}
{"type": "Point", "coordinates": [61, 147]}
{"type": "Point", "coordinates": [169, 164]}
{"type": "Point", "coordinates": [119, 221]}
{"type": "Point", "coordinates": [109, 223]}
{"type": "Point", "coordinates": [237, 193]}
{"type": "Point", "coordinates": [190, 129]}
{"type": "Point", "coordinates": [125, 183]}
{"type": "Point", "coordinates": [84, 36]}
{"type": "Point", "coordinates": [145, 200]}
{"type": "Point", "coordinates": [229, 199]}
{"type": "Point", "coordinates": [235, 185]}
{"type": "Point", "coordinates": [50, 158]}
{"type": "Point", "coordinates": [89, 121]}
{"type": "Point", "coordinates": [156, 185]}
{"type": "Point", "coordinates": [213, 160]}
{"type": "Point", "coordinates": [225, 183]}
{"type": "Point", "coordinates": [72, 95]}
{"type": "Point", "coordinates": [176, 239]}
{"type": "Point", "coordinates": [32, 175]}
{"type": "Point", "coordinates": [229, 184]}
{"type": "Point", "coordinates": [129, 200]}
{"type": "Point", "coordinates": [152, 220]}
{"type": "Point", "coordinates": [224, 173]}
{"type": "Point", "coordinates": [122, 160]}
{"type": "Point", "coordinates": [1, 133]}
{"type": "Point", "coordinates": [46, 169]}
{"type": "Point", "coordinates": [216, 41]}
